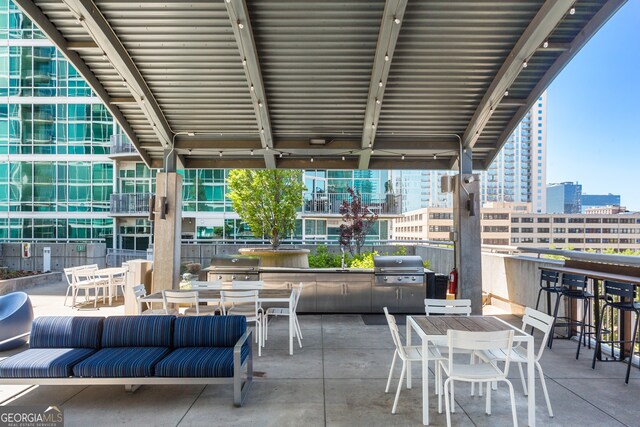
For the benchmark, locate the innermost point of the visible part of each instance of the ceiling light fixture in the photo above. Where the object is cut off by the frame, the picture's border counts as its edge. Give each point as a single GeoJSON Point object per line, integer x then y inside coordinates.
{"type": "Point", "coordinates": [403, 157]}
{"type": "Point", "coordinates": [252, 152]}
{"type": "Point", "coordinates": [280, 155]}
{"type": "Point", "coordinates": [343, 158]}
{"type": "Point", "coordinates": [506, 92]}
{"type": "Point", "coordinates": [572, 11]}
{"type": "Point", "coordinates": [191, 133]}
{"type": "Point", "coordinates": [524, 64]}
{"type": "Point", "coordinates": [545, 44]}
{"type": "Point", "coordinates": [386, 57]}
{"type": "Point", "coordinates": [373, 125]}
{"type": "Point", "coordinates": [260, 104]}
{"type": "Point", "coordinates": [435, 157]}
{"type": "Point", "coordinates": [252, 88]}
{"type": "Point", "coordinates": [262, 130]}
{"type": "Point", "coordinates": [312, 160]}
{"type": "Point", "coordinates": [240, 24]}
{"type": "Point", "coordinates": [396, 20]}
{"type": "Point", "coordinates": [380, 83]}
{"type": "Point", "coordinates": [266, 148]}
{"type": "Point", "coordinates": [221, 154]}
{"type": "Point", "coordinates": [244, 61]}
{"type": "Point", "coordinates": [377, 101]}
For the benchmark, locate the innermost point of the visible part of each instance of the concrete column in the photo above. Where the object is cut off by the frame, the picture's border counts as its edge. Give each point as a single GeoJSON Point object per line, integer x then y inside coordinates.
{"type": "Point", "coordinates": [167, 231]}
{"type": "Point", "coordinates": [466, 222]}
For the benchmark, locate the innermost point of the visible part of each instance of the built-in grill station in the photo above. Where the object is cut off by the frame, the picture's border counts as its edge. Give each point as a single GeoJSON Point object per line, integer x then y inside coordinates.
{"type": "Point", "coordinates": [233, 267]}
{"type": "Point", "coordinates": [398, 270]}
{"type": "Point", "coordinates": [399, 283]}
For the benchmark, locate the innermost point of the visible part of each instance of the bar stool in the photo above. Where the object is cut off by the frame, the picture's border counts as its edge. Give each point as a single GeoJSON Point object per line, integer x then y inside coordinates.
{"type": "Point", "coordinates": [619, 296]}
{"type": "Point", "coordinates": [548, 284]}
{"type": "Point", "coordinates": [574, 287]}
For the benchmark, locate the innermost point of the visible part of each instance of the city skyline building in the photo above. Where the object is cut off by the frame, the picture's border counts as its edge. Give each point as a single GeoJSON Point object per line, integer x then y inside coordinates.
{"type": "Point", "coordinates": [517, 174]}
{"type": "Point", "coordinates": [564, 197]}
{"type": "Point", "coordinates": [589, 201]}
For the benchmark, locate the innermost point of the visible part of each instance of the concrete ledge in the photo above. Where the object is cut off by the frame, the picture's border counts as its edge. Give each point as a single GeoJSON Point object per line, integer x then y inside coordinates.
{"type": "Point", "coordinates": [22, 283]}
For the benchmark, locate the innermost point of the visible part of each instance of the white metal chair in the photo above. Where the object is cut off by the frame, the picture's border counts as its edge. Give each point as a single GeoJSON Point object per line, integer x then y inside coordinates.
{"type": "Point", "coordinates": [140, 292]}
{"type": "Point", "coordinates": [488, 372]}
{"type": "Point", "coordinates": [284, 311]}
{"type": "Point", "coordinates": [518, 354]}
{"type": "Point", "coordinates": [447, 306]}
{"type": "Point", "coordinates": [191, 298]}
{"type": "Point", "coordinates": [84, 278]}
{"type": "Point", "coordinates": [406, 353]}
{"type": "Point", "coordinates": [68, 275]}
{"type": "Point", "coordinates": [247, 284]}
{"type": "Point", "coordinates": [244, 303]}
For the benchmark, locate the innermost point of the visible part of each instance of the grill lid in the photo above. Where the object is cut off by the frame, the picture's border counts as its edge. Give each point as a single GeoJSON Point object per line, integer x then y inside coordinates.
{"type": "Point", "coordinates": [398, 264]}
{"type": "Point", "coordinates": [234, 261]}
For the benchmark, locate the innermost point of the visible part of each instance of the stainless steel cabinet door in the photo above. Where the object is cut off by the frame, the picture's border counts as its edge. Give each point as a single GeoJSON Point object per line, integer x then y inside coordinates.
{"type": "Point", "coordinates": [307, 303]}
{"type": "Point", "coordinates": [343, 297]}
{"type": "Point", "coordinates": [384, 296]}
{"type": "Point", "coordinates": [412, 299]}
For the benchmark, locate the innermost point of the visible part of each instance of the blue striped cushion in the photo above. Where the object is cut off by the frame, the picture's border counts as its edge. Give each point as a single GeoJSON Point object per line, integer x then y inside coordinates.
{"type": "Point", "coordinates": [121, 362]}
{"type": "Point", "coordinates": [138, 331]}
{"type": "Point", "coordinates": [203, 362]}
{"type": "Point", "coordinates": [208, 331]}
{"type": "Point", "coordinates": [66, 332]}
{"type": "Point", "coordinates": [43, 362]}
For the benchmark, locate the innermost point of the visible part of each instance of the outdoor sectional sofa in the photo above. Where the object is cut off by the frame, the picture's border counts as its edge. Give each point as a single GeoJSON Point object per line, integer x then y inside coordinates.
{"type": "Point", "coordinates": [135, 351]}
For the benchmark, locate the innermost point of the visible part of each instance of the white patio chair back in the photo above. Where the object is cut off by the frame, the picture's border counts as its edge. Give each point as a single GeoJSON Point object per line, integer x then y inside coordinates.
{"type": "Point", "coordinates": [395, 333]}
{"type": "Point", "coordinates": [247, 284]}
{"type": "Point", "coordinates": [296, 296]}
{"type": "Point", "coordinates": [180, 297]}
{"type": "Point", "coordinates": [474, 341]}
{"type": "Point", "coordinates": [447, 306]}
{"type": "Point", "coordinates": [244, 303]}
{"type": "Point", "coordinates": [540, 321]}
{"type": "Point", "coordinates": [68, 274]}
{"type": "Point", "coordinates": [139, 291]}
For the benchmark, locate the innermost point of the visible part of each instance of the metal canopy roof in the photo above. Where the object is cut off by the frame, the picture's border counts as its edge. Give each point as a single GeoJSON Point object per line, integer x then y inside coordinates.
{"type": "Point", "coordinates": [335, 84]}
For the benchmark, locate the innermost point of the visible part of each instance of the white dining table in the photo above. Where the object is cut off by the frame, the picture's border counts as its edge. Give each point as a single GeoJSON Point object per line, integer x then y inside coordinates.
{"type": "Point", "coordinates": [110, 273]}
{"type": "Point", "coordinates": [269, 296]}
{"type": "Point", "coordinates": [433, 329]}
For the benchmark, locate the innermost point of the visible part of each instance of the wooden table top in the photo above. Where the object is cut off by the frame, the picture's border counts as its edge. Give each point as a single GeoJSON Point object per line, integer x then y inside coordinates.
{"type": "Point", "coordinates": [600, 275]}
{"type": "Point", "coordinates": [439, 325]}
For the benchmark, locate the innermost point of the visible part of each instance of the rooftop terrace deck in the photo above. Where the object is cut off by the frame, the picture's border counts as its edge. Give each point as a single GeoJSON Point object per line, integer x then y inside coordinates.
{"type": "Point", "coordinates": [337, 379]}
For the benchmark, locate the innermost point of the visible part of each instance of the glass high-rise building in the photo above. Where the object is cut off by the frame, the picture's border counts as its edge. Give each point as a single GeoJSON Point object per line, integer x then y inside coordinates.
{"type": "Point", "coordinates": [517, 174]}
{"type": "Point", "coordinates": [67, 172]}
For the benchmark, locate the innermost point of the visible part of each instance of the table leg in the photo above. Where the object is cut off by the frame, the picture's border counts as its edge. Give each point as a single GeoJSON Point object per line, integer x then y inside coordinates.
{"type": "Point", "coordinates": [425, 382]}
{"type": "Point", "coordinates": [531, 380]}
{"type": "Point", "coordinates": [408, 361]}
{"type": "Point", "coordinates": [596, 312]}
{"type": "Point", "coordinates": [291, 326]}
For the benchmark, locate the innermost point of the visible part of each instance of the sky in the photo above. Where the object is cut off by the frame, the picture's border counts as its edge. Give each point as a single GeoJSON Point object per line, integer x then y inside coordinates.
{"type": "Point", "coordinates": [593, 113]}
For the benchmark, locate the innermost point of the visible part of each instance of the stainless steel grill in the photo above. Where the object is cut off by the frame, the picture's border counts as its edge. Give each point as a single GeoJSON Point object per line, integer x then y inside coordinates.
{"type": "Point", "coordinates": [398, 270]}
{"type": "Point", "coordinates": [233, 267]}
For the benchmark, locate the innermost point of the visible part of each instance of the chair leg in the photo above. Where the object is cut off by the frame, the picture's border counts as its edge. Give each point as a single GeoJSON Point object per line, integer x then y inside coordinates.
{"type": "Point", "coordinates": [524, 383]}
{"type": "Point", "coordinates": [487, 405]}
{"type": "Point", "coordinates": [633, 346]}
{"type": "Point", "coordinates": [544, 389]}
{"type": "Point", "coordinates": [585, 309]}
{"type": "Point", "coordinates": [395, 401]}
{"type": "Point", "coordinates": [598, 337]}
{"type": "Point", "coordinates": [446, 401]}
{"type": "Point", "coordinates": [555, 319]}
{"type": "Point", "coordinates": [538, 303]}
{"type": "Point", "coordinates": [453, 398]}
{"type": "Point", "coordinates": [440, 387]}
{"type": "Point", "coordinates": [513, 403]}
{"type": "Point", "coordinates": [66, 295]}
{"type": "Point", "coordinates": [393, 364]}
{"type": "Point", "coordinates": [473, 385]}
{"type": "Point", "coordinates": [260, 344]}
{"type": "Point", "coordinates": [297, 325]}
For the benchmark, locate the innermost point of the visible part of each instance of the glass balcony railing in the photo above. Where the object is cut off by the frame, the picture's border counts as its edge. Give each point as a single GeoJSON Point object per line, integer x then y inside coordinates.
{"type": "Point", "coordinates": [329, 203]}
{"type": "Point", "coordinates": [134, 203]}
{"type": "Point", "coordinates": [120, 144]}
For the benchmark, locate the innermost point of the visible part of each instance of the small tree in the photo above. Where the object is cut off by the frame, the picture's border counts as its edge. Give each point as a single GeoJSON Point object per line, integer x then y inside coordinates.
{"type": "Point", "coordinates": [267, 200]}
{"type": "Point", "coordinates": [358, 220]}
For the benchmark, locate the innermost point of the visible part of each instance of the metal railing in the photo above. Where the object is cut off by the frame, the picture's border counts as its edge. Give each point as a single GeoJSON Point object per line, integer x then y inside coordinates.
{"type": "Point", "coordinates": [134, 203]}
{"type": "Point", "coordinates": [120, 144]}
{"type": "Point", "coordinates": [329, 203]}
{"type": "Point", "coordinates": [115, 257]}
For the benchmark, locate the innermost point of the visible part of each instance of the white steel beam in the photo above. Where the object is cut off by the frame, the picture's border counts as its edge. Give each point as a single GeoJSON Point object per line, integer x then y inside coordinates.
{"type": "Point", "coordinates": [241, 24]}
{"type": "Point", "coordinates": [538, 30]}
{"type": "Point", "coordinates": [104, 36]}
{"type": "Point", "coordinates": [387, 38]}
{"type": "Point", "coordinates": [46, 26]}
{"type": "Point", "coordinates": [592, 27]}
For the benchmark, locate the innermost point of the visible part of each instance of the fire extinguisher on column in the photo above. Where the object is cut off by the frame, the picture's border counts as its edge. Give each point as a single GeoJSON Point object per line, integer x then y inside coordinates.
{"type": "Point", "coordinates": [453, 281]}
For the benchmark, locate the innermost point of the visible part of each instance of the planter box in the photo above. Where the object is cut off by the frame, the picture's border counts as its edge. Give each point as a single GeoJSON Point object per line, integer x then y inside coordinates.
{"type": "Point", "coordinates": [22, 283]}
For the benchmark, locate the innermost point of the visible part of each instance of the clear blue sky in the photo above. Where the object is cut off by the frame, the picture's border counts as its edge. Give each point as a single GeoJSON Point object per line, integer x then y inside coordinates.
{"type": "Point", "coordinates": [593, 113]}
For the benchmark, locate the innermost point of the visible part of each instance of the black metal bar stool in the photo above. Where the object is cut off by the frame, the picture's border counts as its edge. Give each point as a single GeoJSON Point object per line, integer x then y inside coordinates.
{"type": "Point", "coordinates": [619, 296]}
{"type": "Point", "coordinates": [574, 287]}
{"type": "Point", "coordinates": [548, 284]}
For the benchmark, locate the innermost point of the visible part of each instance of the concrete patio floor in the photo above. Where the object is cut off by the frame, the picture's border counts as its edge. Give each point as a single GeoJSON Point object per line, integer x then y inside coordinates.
{"type": "Point", "coordinates": [337, 379]}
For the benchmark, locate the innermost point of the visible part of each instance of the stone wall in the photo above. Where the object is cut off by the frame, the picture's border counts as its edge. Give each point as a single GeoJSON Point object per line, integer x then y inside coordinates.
{"type": "Point", "coordinates": [23, 283]}
{"type": "Point", "coordinates": [63, 255]}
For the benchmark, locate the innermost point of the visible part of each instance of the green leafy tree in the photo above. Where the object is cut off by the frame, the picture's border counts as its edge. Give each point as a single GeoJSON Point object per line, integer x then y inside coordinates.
{"type": "Point", "coordinates": [267, 200]}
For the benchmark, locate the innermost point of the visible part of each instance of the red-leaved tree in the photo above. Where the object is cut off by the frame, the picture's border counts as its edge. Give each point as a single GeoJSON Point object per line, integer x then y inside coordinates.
{"type": "Point", "coordinates": [358, 220]}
